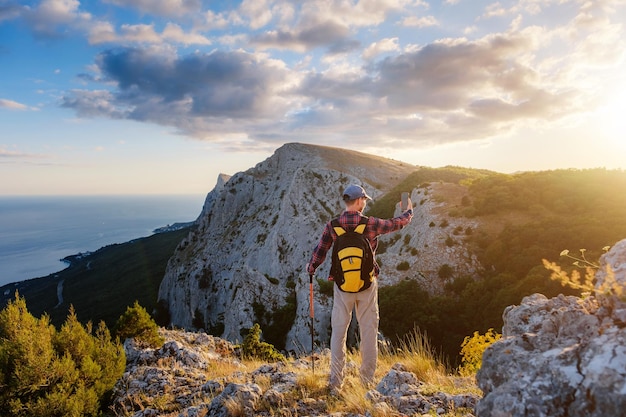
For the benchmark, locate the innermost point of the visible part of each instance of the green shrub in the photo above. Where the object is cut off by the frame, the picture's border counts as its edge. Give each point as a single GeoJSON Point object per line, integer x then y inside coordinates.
{"type": "Point", "coordinates": [137, 323]}
{"type": "Point", "coordinates": [198, 319]}
{"type": "Point", "coordinates": [48, 373]}
{"type": "Point", "coordinates": [326, 287]}
{"type": "Point", "coordinates": [403, 266]}
{"type": "Point", "coordinates": [254, 348]}
{"type": "Point", "coordinates": [273, 280]}
{"type": "Point", "coordinates": [445, 271]}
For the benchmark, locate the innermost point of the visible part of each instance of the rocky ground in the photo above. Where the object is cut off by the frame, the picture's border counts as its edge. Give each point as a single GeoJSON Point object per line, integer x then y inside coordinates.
{"type": "Point", "coordinates": [558, 357]}
{"type": "Point", "coordinates": [194, 374]}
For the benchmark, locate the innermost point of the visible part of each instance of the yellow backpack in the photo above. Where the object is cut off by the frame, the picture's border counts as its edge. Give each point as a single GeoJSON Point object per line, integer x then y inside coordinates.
{"type": "Point", "coordinates": [352, 265]}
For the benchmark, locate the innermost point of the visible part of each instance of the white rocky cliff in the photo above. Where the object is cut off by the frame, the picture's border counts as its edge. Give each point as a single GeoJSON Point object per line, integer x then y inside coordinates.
{"type": "Point", "coordinates": [256, 232]}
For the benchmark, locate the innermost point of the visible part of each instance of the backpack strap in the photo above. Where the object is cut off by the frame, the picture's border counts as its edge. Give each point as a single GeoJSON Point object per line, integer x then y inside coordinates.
{"type": "Point", "coordinates": [339, 230]}
{"type": "Point", "coordinates": [337, 227]}
{"type": "Point", "coordinates": [360, 229]}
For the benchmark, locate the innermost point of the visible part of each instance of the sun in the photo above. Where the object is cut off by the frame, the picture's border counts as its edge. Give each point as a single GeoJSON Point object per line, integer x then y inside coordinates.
{"type": "Point", "coordinates": [611, 118]}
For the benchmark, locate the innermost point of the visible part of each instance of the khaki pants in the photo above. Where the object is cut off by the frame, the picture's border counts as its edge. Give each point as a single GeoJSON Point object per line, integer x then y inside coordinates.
{"type": "Point", "coordinates": [366, 305]}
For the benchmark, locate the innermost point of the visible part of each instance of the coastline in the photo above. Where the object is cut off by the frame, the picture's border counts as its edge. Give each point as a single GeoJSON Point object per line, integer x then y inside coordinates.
{"type": "Point", "coordinates": [42, 235]}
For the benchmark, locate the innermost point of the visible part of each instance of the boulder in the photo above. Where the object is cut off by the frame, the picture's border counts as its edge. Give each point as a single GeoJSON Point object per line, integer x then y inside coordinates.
{"type": "Point", "coordinates": [563, 356]}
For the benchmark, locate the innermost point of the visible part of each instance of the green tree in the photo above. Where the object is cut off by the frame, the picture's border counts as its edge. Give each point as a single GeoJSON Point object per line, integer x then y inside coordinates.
{"type": "Point", "coordinates": [403, 307]}
{"type": "Point", "coordinates": [48, 373]}
{"type": "Point", "coordinates": [137, 323]}
{"type": "Point", "coordinates": [254, 348]}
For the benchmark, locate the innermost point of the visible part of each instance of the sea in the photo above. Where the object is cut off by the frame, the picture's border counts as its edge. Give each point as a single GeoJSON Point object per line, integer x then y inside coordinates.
{"type": "Point", "coordinates": [37, 232]}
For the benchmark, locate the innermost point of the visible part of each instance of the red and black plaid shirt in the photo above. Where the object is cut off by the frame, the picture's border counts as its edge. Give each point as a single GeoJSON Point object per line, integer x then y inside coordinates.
{"type": "Point", "coordinates": [349, 220]}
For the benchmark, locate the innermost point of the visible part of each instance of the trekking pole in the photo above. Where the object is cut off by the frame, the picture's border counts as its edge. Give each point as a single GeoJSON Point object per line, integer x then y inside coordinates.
{"type": "Point", "coordinates": [312, 314]}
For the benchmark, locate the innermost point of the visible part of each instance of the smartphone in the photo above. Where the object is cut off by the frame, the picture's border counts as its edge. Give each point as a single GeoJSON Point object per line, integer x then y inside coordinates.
{"type": "Point", "coordinates": [404, 205]}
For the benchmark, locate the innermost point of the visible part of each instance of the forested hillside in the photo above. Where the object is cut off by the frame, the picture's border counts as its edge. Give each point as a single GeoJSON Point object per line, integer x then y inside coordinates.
{"type": "Point", "coordinates": [525, 218]}
{"type": "Point", "coordinates": [102, 284]}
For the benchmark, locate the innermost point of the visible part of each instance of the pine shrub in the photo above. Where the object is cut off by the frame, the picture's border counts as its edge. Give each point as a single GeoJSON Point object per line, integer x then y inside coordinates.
{"type": "Point", "coordinates": [45, 372]}
{"type": "Point", "coordinates": [254, 348]}
{"type": "Point", "coordinates": [137, 323]}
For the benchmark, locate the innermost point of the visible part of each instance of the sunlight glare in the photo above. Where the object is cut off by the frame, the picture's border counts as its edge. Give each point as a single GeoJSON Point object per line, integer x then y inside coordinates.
{"type": "Point", "coordinates": [612, 118]}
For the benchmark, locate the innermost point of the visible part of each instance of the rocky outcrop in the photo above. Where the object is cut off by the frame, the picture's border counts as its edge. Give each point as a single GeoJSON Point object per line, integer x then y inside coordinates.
{"type": "Point", "coordinates": [561, 357]}
{"type": "Point", "coordinates": [178, 379]}
{"type": "Point", "coordinates": [245, 260]}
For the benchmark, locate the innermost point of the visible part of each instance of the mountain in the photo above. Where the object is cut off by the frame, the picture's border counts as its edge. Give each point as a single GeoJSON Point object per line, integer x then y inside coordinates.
{"type": "Point", "coordinates": [244, 262]}
{"type": "Point", "coordinates": [475, 247]}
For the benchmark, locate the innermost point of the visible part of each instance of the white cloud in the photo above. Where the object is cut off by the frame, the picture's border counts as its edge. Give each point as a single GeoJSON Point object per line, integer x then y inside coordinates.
{"type": "Point", "coordinates": [210, 21]}
{"type": "Point", "coordinates": [47, 18]}
{"type": "Point", "coordinates": [258, 12]}
{"type": "Point", "coordinates": [102, 32]}
{"type": "Point", "coordinates": [140, 33]}
{"type": "Point", "coordinates": [382, 46]}
{"type": "Point", "coordinates": [421, 22]}
{"type": "Point", "coordinates": [12, 105]}
{"type": "Point", "coordinates": [175, 33]}
{"type": "Point", "coordinates": [494, 10]}
{"type": "Point", "coordinates": [351, 79]}
{"type": "Point", "coordinates": [13, 155]}
{"type": "Point", "coordinates": [168, 8]}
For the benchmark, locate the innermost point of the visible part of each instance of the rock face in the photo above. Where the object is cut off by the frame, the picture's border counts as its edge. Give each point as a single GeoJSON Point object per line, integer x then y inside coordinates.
{"type": "Point", "coordinates": [173, 380]}
{"type": "Point", "coordinates": [244, 262]}
{"type": "Point", "coordinates": [563, 356]}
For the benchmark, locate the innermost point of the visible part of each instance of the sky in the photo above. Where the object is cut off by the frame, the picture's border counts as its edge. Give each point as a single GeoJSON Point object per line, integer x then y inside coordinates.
{"type": "Point", "coordinates": [161, 96]}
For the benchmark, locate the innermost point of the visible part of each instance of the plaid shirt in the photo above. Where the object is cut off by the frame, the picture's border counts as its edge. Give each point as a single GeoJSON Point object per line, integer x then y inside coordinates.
{"type": "Point", "coordinates": [349, 220]}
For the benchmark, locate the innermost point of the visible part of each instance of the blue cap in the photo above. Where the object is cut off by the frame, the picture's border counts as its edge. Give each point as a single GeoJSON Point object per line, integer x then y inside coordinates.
{"type": "Point", "coordinates": [353, 192]}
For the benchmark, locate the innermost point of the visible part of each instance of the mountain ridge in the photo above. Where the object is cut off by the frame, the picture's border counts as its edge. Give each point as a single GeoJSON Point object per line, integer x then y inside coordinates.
{"type": "Point", "coordinates": [295, 192]}
{"type": "Point", "coordinates": [474, 247]}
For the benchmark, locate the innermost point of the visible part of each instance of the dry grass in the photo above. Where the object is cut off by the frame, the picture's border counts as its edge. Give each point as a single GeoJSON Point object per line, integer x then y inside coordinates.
{"type": "Point", "coordinates": [415, 355]}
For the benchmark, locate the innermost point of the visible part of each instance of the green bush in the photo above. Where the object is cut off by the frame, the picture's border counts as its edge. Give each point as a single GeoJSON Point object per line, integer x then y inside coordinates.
{"type": "Point", "coordinates": [137, 323]}
{"type": "Point", "coordinates": [403, 266]}
{"type": "Point", "coordinates": [326, 287]}
{"type": "Point", "coordinates": [198, 319]}
{"type": "Point", "coordinates": [445, 271]}
{"type": "Point", "coordinates": [45, 372]}
{"type": "Point", "coordinates": [273, 280]}
{"type": "Point", "coordinates": [254, 348]}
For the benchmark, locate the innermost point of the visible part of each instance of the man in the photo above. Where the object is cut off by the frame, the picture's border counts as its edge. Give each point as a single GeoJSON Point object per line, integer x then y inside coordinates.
{"type": "Point", "coordinates": [366, 301]}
